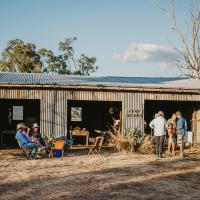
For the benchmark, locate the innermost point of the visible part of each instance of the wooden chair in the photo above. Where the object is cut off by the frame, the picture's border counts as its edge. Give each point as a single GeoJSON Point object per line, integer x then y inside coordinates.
{"type": "Point", "coordinates": [57, 145]}
{"type": "Point", "coordinates": [24, 150]}
{"type": "Point", "coordinates": [96, 147]}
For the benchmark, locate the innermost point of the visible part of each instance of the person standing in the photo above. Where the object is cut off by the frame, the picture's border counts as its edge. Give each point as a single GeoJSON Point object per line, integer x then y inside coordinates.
{"type": "Point", "coordinates": [171, 131]}
{"type": "Point", "coordinates": [172, 120]}
{"type": "Point", "coordinates": [159, 125]}
{"type": "Point", "coordinates": [171, 139]}
{"type": "Point", "coordinates": [181, 128]}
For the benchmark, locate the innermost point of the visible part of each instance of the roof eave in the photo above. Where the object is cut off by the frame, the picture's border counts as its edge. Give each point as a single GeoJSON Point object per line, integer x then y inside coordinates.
{"type": "Point", "coordinates": [138, 88]}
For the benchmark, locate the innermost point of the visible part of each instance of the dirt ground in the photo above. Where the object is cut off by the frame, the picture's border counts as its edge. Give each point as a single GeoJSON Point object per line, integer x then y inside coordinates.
{"type": "Point", "coordinates": [105, 176]}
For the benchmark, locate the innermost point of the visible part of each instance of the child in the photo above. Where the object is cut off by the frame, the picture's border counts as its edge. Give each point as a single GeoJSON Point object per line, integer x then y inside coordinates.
{"type": "Point", "coordinates": [172, 139]}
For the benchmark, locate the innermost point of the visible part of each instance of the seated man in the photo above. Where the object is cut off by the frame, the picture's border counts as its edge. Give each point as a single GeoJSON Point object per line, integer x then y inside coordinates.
{"type": "Point", "coordinates": [26, 142]}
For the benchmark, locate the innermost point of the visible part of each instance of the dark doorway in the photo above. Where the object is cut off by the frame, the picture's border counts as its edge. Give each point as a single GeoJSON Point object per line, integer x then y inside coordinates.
{"type": "Point", "coordinates": [93, 115]}
{"type": "Point", "coordinates": [169, 107]}
{"type": "Point", "coordinates": [14, 111]}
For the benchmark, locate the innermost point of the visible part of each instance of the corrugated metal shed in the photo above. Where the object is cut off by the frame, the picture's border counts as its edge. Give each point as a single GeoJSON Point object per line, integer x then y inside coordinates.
{"type": "Point", "coordinates": [54, 92]}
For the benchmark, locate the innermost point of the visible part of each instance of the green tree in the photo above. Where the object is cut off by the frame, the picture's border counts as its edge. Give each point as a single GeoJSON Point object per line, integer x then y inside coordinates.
{"type": "Point", "coordinates": [85, 65]}
{"type": "Point", "coordinates": [81, 66]}
{"type": "Point", "coordinates": [19, 56]}
{"type": "Point", "coordinates": [52, 63]}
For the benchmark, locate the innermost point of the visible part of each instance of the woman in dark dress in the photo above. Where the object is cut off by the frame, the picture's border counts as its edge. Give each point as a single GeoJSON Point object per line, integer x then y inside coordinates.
{"type": "Point", "coordinates": [35, 133]}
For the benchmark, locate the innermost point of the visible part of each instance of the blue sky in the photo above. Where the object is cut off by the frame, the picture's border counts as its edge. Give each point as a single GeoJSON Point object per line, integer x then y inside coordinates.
{"type": "Point", "coordinates": [116, 32]}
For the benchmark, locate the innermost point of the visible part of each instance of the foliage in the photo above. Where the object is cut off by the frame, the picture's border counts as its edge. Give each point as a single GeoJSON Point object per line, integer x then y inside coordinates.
{"type": "Point", "coordinates": [53, 64]}
{"type": "Point", "coordinates": [86, 65]}
{"type": "Point", "coordinates": [134, 135]}
{"type": "Point", "coordinates": [129, 140]}
{"type": "Point", "coordinates": [148, 145]}
{"type": "Point", "coordinates": [20, 56]}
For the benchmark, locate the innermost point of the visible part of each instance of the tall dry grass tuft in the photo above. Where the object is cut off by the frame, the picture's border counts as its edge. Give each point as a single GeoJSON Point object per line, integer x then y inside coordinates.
{"type": "Point", "coordinates": [148, 145]}
{"type": "Point", "coordinates": [128, 140]}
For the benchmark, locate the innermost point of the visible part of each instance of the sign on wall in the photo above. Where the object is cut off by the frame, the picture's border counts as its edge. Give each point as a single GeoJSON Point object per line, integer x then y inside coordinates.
{"type": "Point", "coordinates": [76, 114]}
{"type": "Point", "coordinates": [18, 112]}
{"type": "Point", "coordinates": [134, 113]}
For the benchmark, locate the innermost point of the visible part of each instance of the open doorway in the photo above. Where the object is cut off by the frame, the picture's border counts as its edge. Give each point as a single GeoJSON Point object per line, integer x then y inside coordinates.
{"type": "Point", "coordinates": [14, 111]}
{"type": "Point", "coordinates": [187, 108]}
{"type": "Point", "coordinates": [93, 115]}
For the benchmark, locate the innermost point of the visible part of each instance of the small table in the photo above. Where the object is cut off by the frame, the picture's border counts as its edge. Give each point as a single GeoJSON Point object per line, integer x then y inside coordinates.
{"type": "Point", "coordinates": [79, 133]}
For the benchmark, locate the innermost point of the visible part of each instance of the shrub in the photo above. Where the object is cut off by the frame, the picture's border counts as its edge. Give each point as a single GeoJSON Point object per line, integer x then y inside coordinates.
{"type": "Point", "coordinates": [148, 145]}
{"type": "Point", "coordinates": [129, 140]}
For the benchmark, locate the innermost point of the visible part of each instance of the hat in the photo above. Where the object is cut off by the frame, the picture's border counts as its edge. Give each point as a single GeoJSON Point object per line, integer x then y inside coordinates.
{"type": "Point", "coordinates": [178, 113]}
{"type": "Point", "coordinates": [161, 113]}
{"type": "Point", "coordinates": [156, 115]}
{"type": "Point", "coordinates": [35, 125]}
{"type": "Point", "coordinates": [20, 125]}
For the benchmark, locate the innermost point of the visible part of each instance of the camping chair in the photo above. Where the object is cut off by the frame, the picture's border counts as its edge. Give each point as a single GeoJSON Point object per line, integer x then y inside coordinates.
{"type": "Point", "coordinates": [68, 142]}
{"type": "Point", "coordinates": [26, 151]}
{"type": "Point", "coordinates": [57, 145]}
{"type": "Point", "coordinates": [96, 147]}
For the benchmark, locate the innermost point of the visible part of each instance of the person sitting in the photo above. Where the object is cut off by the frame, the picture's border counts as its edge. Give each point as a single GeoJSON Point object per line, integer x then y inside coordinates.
{"type": "Point", "coordinates": [171, 139]}
{"type": "Point", "coordinates": [25, 142]}
{"type": "Point", "coordinates": [26, 132]}
{"type": "Point", "coordinates": [35, 133]}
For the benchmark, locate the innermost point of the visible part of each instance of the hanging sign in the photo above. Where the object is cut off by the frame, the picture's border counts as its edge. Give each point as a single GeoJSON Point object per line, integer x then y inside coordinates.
{"type": "Point", "coordinates": [76, 114]}
{"type": "Point", "coordinates": [18, 112]}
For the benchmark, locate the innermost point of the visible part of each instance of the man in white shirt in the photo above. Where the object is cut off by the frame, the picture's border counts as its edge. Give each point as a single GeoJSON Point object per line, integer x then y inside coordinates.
{"type": "Point", "coordinates": [159, 125]}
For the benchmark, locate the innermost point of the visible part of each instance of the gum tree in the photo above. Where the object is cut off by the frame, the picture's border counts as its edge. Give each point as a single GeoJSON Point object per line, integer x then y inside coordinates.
{"type": "Point", "coordinates": [189, 50]}
{"type": "Point", "coordinates": [20, 56]}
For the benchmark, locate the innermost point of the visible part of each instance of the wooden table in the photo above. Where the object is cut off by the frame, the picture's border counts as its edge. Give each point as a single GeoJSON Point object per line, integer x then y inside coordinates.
{"type": "Point", "coordinates": [78, 133]}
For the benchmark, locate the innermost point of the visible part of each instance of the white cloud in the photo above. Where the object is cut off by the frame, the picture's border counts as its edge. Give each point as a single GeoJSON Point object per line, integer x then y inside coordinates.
{"type": "Point", "coordinates": [153, 53]}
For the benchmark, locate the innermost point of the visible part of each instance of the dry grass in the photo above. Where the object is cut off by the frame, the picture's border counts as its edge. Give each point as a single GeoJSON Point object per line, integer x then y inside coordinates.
{"type": "Point", "coordinates": [105, 176]}
{"type": "Point", "coordinates": [120, 143]}
{"type": "Point", "coordinates": [148, 146]}
{"type": "Point", "coordinates": [128, 140]}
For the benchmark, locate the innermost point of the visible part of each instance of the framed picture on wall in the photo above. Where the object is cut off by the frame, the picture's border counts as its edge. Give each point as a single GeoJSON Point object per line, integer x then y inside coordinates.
{"type": "Point", "coordinates": [76, 114]}
{"type": "Point", "coordinates": [18, 113]}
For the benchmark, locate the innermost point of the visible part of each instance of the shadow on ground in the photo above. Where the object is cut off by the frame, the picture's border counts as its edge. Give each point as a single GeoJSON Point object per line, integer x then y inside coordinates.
{"type": "Point", "coordinates": [166, 179]}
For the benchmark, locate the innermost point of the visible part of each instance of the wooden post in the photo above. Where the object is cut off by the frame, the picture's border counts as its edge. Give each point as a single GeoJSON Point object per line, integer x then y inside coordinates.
{"type": "Point", "coordinates": [121, 121]}
{"type": "Point", "coordinates": [195, 127]}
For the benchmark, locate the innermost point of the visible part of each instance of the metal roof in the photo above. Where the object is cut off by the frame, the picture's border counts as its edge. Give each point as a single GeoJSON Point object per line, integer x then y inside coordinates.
{"type": "Point", "coordinates": [64, 80]}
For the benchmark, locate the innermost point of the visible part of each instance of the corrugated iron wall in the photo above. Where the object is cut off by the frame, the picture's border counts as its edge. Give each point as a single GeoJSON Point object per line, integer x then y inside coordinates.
{"type": "Point", "coordinates": [53, 104]}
